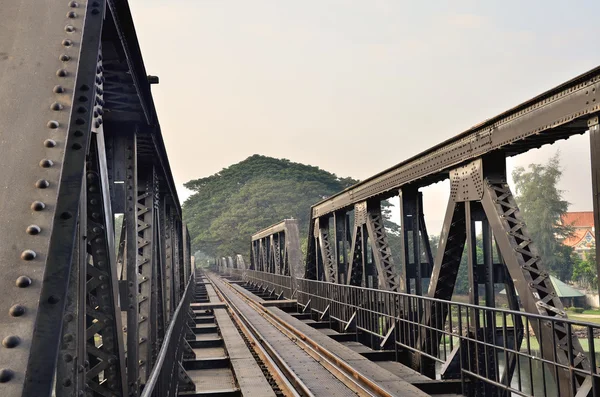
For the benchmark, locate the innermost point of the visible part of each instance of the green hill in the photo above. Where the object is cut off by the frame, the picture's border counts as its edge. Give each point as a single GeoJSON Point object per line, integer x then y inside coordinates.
{"type": "Point", "coordinates": [231, 205]}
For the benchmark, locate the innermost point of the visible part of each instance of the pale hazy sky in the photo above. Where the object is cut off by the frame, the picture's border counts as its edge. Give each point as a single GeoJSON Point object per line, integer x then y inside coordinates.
{"type": "Point", "coordinates": [356, 86]}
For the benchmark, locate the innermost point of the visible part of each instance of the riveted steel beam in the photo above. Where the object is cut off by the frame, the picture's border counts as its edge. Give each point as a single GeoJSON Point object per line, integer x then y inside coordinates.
{"type": "Point", "coordinates": [42, 183]}
{"type": "Point", "coordinates": [146, 267]}
{"type": "Point", "coordinates": [555, 114]}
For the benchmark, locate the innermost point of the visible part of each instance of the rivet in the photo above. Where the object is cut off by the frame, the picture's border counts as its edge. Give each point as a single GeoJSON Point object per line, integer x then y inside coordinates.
{"type": "Point", "coordinates": [11, 341]}
{"type": "Point", "coordinates": [52, 124]}
{"type": "Point", "coordinates": [28, 255]}
{"type": "Point", "coordinates": [72, 14]}
{"type": "Point", "coordinates": [67, 42]}
{"type": "Point", "coordinates": [69, 317]}
{"type": "Point", "coordinates": [68, 358]}
{"type": "Point", "coordinates": [58, 89]}
{"type": "Point", "coordinates": [95, 11]}
{"type": "Point", "coordinates": [67, 383]}
{"type": "Point", "coordinates": [76, 146]}
{"type": "Point", "coordinates": [6, 375]}
{"type": "Point", "coordinates": [61, 73]}
{"type": "Point", "coordinates": [53, 299]}
{"type": "Point", "coordinates": [42, 184]}
{"type": "Point", "coordinates": [17, 310]}
{"type": "Point", "coordinates": [45, 163]}
{"type": "Point", "coordinates": [73, 4]}
{"type": "Point", "coordinates": [85, 87]}
{"type": "Point", "coordinates": [78, 133]}
{"type": "Point", "coordinates": [33, 230]}
{"type": "Point", "coordinates": [23, 282]}
{"type": "Point", "coordinates": [65, 58]}
{"type": "Point", "coordinates": [37, 206]}
{"type": "Point", "coordinates": [66, 215]}
{"type": "Point", "coordinates": [67, 338]}
{"type": "Point", "coordinates": [69, 28]}
{"type": "Point", "coordinates": [56, 106]}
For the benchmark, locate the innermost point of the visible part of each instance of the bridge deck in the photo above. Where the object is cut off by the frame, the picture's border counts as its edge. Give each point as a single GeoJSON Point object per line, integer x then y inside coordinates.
{"type": "Point", "coordinates": [392, 376]}
{"type": "Point", "coordinates": [223, 365]}
{"type": "Point", "coordinates": [317, 378]}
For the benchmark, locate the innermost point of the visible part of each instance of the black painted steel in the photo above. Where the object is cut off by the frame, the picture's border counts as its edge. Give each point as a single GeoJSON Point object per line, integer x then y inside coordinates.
{"type": "Point", "coordinates": [81, 130]}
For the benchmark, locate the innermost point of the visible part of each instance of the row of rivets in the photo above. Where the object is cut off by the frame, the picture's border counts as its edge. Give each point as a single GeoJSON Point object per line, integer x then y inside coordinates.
{"type": "Point", "coordinates": [18, 310]}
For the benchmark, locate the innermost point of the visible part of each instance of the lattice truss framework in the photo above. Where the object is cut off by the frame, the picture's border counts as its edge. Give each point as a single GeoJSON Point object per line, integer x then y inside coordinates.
{"type": "Point", "coordinates": [479, 194]}
{"type": "Point", "coordinates": [276, 249]}
{"type": "Point", "coordinates": [81, 299]}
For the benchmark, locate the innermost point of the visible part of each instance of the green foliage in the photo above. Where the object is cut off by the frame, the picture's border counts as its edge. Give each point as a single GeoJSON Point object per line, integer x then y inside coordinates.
{"type": "Point", "coordinates": [542, 206]}
{"type": "Point", "coordinates": [576, 309]}
{"type": "Point", "coordinates": [231, 205]}
{"type": "Point", "coordinates": [584, 271]}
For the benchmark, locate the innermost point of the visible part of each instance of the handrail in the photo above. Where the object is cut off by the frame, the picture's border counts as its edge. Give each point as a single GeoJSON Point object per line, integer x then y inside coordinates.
{"type": "Point", "coordinates": [175, 323]}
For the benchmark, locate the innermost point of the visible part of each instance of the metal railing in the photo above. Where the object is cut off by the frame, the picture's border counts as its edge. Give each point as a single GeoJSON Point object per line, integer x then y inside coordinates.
{"type": "Point", "coordinates": [279, 284]}
{"type": "Point", "coordinates": [164, 378]}
{"type": "Point", "coordinates": [493, 351]}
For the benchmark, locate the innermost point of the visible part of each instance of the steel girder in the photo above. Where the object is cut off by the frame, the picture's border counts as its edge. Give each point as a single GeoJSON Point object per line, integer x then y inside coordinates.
{"type": "Point", "coordinates": [551, 116]}
{"type": "Point", "coordinates": [417, 259]}
{"type": "Point", "coordinates": [594, 128]}
{"type": "Point", "coordinates": [276, 249]}
{"type": "Point", "coordinates": [69, 69]}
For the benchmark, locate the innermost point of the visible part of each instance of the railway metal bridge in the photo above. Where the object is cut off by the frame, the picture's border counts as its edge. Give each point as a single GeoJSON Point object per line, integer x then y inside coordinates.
{"type": "Point", "coordinates": [101, 297]}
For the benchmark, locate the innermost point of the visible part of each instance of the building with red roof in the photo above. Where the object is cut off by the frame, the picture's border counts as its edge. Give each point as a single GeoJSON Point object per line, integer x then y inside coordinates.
{"type": "Point", "coordinates": [582, 240]}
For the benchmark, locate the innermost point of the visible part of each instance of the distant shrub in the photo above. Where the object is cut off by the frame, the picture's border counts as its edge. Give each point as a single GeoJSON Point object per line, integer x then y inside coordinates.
{"type": "Point", "coordinates": [576, 309]}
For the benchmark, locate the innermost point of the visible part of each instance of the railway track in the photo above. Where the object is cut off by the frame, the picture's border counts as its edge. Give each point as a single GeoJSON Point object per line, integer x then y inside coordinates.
{"type": "Point", "coordinates": [301, 364]}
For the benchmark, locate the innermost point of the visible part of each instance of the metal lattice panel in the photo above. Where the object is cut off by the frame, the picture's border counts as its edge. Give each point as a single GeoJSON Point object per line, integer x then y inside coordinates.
{"type": "Point", "coordinates": [386, 271]}
{"type": "Point", "coordinates": [531, 280]}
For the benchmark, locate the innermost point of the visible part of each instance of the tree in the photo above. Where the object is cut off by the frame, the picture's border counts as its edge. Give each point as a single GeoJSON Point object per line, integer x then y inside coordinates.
{"type": "Point", "coordinates": [584, 271]}
{"type": "Point", "coordinates": [542, 205]}
{"type": "Point", "coordinates": [231, 205]}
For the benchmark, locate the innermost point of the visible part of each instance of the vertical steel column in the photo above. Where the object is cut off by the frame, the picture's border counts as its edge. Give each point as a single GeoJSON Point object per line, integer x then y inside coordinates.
{"type": "Point", "coordinates": [131, 266]}
{"type": "Point", "coordinates": [146, 266]}
{"type": "Point", "coordinates": [157, 303]}
{"type": "Point", "coordinates": [410, 240]}
{"type": "Point", "coordinates": [341, 244]}
{"type": "Point", "coordinates": [310, 272]}
{"type": "Point", "coordinates": [326, 252]}
{"type": "Point", "coordinates": [594, 128]}
{"type": "Point", "coordinates": [106, 374]}
{"type": "Point", "coordinates": [168, 260]}
{"type": "Point", "coordinates": [175, 258]}
{"type": "Point", "coordinates": [72, 353]}
{"type": "Point", "coordinates": [186, 253]}
{"type": "Point", "coordinates": [276, 254]}
{"type": "Point", "coordinates": [293, 252]}
{"type": "Point", "coordinates": [357, 251]}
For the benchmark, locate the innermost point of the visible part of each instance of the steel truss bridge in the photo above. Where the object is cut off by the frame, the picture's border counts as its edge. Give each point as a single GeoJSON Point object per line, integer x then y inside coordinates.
{"type": "Point", "coordinates": [101, 297]}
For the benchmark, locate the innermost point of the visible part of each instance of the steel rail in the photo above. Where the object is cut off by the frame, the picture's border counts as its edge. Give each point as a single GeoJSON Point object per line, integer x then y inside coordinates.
{"type": "Point", "coordinates": [338, 367]}
{"type": "Point", "coordinates": [555, 114]}
{"type": "Point", "coordinates": [264, 352]}
{"type": "Point", "coordinates": [277, 359]}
